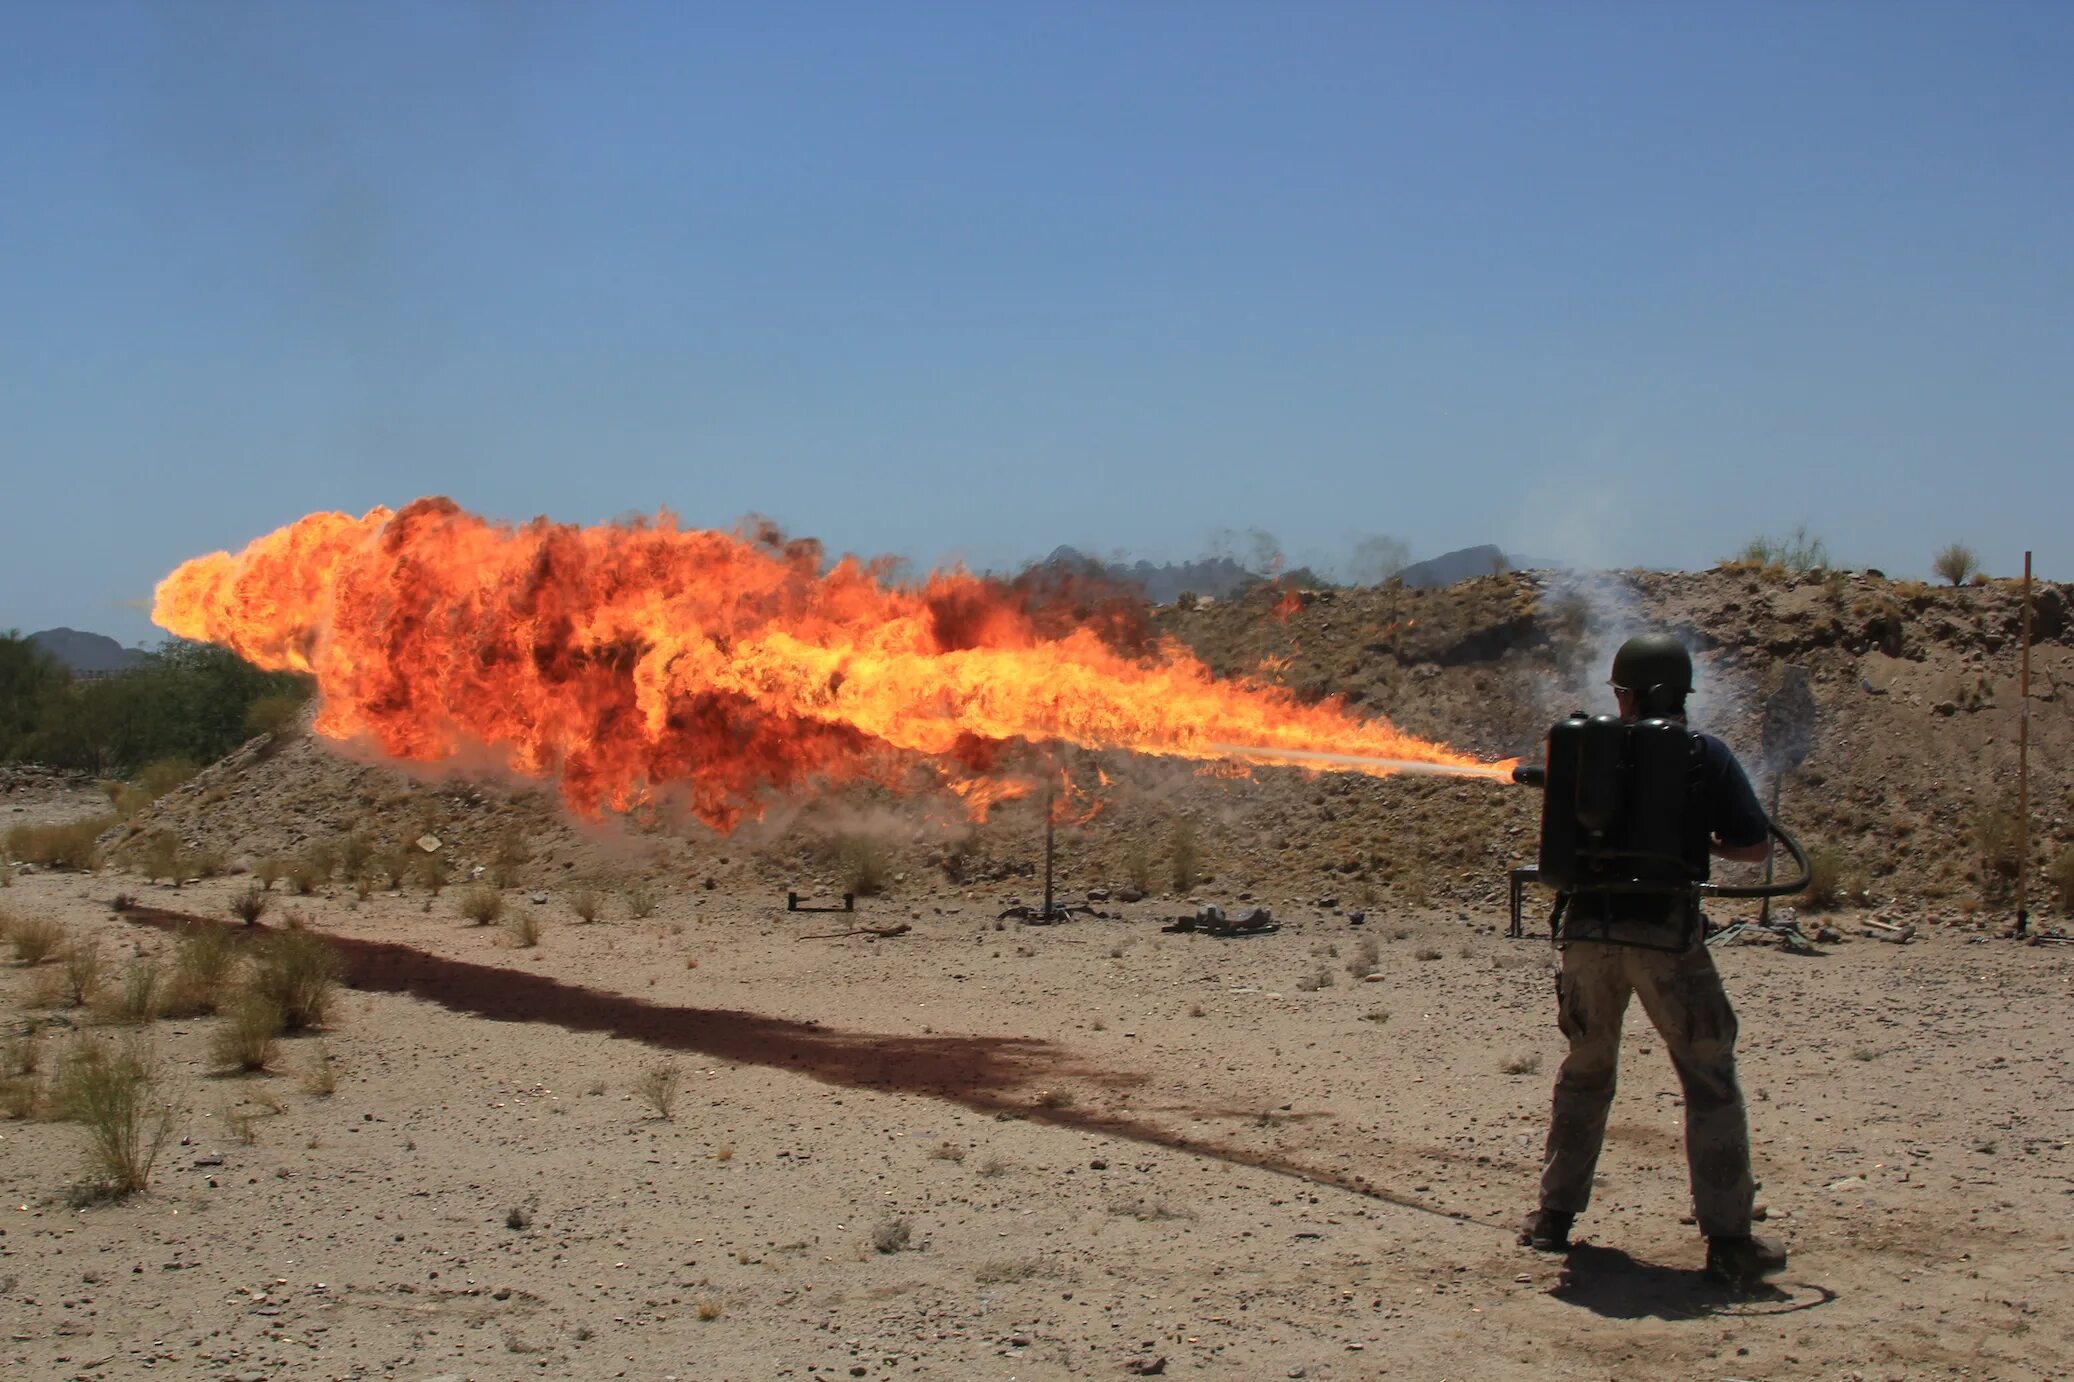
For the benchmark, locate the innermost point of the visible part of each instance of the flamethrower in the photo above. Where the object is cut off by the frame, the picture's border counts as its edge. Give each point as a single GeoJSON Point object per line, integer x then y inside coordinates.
{"type": "Point", "coordinates": [1617, 842]}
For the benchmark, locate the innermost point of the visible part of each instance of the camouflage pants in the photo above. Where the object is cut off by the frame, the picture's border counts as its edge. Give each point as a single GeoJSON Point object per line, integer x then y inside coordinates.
{"type": "Point", "coordinates": [1683, 996]}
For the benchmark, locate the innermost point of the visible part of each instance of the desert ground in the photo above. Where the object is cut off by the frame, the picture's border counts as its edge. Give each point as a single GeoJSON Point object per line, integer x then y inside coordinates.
{"type": "Point", "coordinates": [1021, 1152]}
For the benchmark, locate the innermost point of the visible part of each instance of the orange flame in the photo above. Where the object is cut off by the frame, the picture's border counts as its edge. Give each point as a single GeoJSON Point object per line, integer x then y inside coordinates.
{"type": "Point", "coordinates": [641, 658]}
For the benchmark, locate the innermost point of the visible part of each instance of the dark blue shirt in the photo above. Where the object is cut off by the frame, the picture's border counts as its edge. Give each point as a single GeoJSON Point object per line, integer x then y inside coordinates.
{"type": "Point", "coordinates": [1720, 803]}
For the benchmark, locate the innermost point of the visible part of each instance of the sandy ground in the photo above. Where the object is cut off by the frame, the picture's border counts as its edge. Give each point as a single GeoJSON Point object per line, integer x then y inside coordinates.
{"type": "Point", "coordinates": [1025, 1153]}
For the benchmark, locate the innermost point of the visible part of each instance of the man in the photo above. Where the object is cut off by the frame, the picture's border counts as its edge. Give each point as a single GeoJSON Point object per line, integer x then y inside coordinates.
{"type": "Point", "coordinates": [1679, 988]}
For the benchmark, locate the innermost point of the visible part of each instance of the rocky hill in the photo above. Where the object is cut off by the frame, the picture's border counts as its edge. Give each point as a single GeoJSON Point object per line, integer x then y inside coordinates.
{"type": "Point", "coordinates": [1909, 791]}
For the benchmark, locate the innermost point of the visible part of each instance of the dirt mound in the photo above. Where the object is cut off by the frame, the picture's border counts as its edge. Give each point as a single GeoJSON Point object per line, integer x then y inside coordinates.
{"type": "Point", "coordinates": [1913, 766]}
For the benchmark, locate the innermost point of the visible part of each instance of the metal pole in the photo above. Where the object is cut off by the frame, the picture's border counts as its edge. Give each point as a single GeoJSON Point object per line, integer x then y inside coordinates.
{"type": "Point", "coordinates": [2023, 768]}
{"type": "Point", "coordinates": [1771, 851]}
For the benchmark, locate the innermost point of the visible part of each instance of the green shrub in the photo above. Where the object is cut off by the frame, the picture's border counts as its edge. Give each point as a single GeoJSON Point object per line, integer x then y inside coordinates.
{"type": "Point", "coordinates": [1798, 550]}
{"type": "Point", "coordinates": [119, 1099]}
{"type": "Point", "coordinates": [297, 971]}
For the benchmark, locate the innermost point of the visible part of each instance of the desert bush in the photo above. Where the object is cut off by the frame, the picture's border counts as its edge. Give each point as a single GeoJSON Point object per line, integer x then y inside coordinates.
{"type": "Point", "coordinates": [512, 854]}
{"type": "Point", "coordinates": [393, 862]}
{"type": "Point", "coordinates": [428, 870]}
{"type": "Point", "coordinates": [157, 856]}
{"type": "Point", "coordinates": [355, 854]}
{"type": "Point", "coordinates": [250, 905]}
{"type": "Point", "coordinates": [162, 775]}
{"type": "Point", "coordinates": [482, 905]}
{"type": "Point", "coordinates": [1995, 832]}
{"type": "Point", "coordinates": [2060, 875]}
{"type": "Point", "coordinates": [892, 1235]}
{"type": "Point", "coordinates": [1525, 1064]}
{"type": "Point", "coordinates": [84, 972]}
{"type": "Point", "coordinates": [320, 1080]}
{"type": "Point", "coordinates": [640, 900]}
{"type": "Point", "coordinates": [120, 1100]}
{"type": "Point", "coordinates": [866, 863]}
{"type": "Point", "coordinates": [1956, 564]}
{"type": "Point", "coordinates": [203, 862]}
{"type": "Point", "coordinates": [201, 969]}
{"type": "Point", "coordinates": [523, 926]}
{"type": "Point", "coordinates": [75, 845]}
{"type": "Point", "coordinates": [586, 903]}
{"type": "Point", "coordinates": [297, 970]}
{"type": "Point", "coordinates": [1798, 550]}
{"type": "Point", "coordinates": [269, 871]}
{"type": "Point", "coordinates": [35, 940]}
{"type": "Point", "coordinates": [248, 1037]}
{"type": "Point", "coordinates": [136, 999]}
{"type": "Point", "coordinates": [1367, 956]}
{"type": "Point", "coordinates": [1184, 854]}
{"type": "Point", "coordinates": [658, 1088]}
{"type": "Point", "coordinates": [1833, 880]}
{"type": "Point", "coordinates": [1137, 865]}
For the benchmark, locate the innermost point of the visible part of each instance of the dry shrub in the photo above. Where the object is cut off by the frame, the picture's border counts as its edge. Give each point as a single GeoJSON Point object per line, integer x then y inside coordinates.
{"type": "Point", "coordinates": [250, 905]}
{"type": "Point", "coordinates": [1995, 834]}
{"type": "Point", "coordinates": [586, 903]}
{"type": "Point", "coordinates": [512, 854]}
{"type": "Point", "coordinates": [35, 940]}
{"type": "Point", "coordinates": [248, 1037]}
{"type": "Point", "coordinates": [1833, 880]}
{"type": "Point", "coordinates": [1185, 855]}
{"type": "Point", "coordinates": [482, 905]}
{"type": "Point", "coordinates": [273, 715]}
{"type": "Point", "coordinates": [1137, 865]}
{"type": "Point", "coordinates": [201, 970]}
{"type": "Point", "coordinates": [2060, 874]}
{"type": "Point", "coordinates": [270, 871]}
{"type": "Point", "coordinates": [321, 1078]}
{"type": "Point", "coordinates": [1366, 958]}
{"type": "Point", "coordinates": [157, 856]}
{"type": "Point", "coordinates": [297, 971]}
{"type": "Point", "coordinates": [523, 926]}
{"type": "Point", "coordinates": [1525, 1064]}
{"type": "Point", "coordinates": [75, 846]}
{"type": "Point", "coordinates": [641, 901]}
{"type": "Point", "coordinates": [1956, 564]}
{"type": "Point", "coordinates": [136, 1000]}
{"type": "Point", "coordinates": [119, 1098]}
{"type": "Point", "coordinates": [892, 1236]}
{"type": "Point", "coordinates": [84, 972]}
{"type": "Point", "coordinates": [658, 1088]}
{"type": "Point", "coordinates": [866, 863]}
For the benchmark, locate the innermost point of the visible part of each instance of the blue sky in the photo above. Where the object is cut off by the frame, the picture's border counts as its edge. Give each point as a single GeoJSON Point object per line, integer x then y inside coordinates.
{"type": "Point", "coordinates": [1621, 283]}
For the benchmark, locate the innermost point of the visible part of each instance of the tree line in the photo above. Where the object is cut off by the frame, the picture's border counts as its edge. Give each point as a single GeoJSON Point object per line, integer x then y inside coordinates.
{"type": "Point", "coordinates": [187, 701]}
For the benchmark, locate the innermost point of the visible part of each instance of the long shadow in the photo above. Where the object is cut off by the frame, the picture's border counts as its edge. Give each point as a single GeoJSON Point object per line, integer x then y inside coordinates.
{"type": "Point", "coordinates": [1608, 1282]}
{"type": "Point", "coordinates": [1004, 1076]}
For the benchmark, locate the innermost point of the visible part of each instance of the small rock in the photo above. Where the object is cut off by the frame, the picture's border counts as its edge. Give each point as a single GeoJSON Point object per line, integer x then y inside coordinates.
{"type": "Point", "coordinates": [539, 898]}
{"type": "Point", "coordinates": [1097, 894]}
{"type": "Point", "coordinates": [1130, 895]}
{"type": "Point", "coordinates": [202, 1161]}
{"type": "Point", "coordinates": [1147, 1365]}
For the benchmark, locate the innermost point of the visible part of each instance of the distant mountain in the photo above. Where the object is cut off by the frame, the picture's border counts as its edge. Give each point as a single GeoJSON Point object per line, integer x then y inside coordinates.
{"type": "Point", "coordinates": [87, 652]}
{"type": "Point", "coordinates": [1467, 563]}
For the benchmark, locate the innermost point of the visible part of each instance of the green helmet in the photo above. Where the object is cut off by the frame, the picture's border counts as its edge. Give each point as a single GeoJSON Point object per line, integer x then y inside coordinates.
{"type": "Point", "coordinates": [1653, 662]}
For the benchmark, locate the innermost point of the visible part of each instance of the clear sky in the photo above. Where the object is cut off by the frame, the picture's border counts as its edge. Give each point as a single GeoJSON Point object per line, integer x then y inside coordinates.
{"type": "Point", "coordinates": [1623, 283]}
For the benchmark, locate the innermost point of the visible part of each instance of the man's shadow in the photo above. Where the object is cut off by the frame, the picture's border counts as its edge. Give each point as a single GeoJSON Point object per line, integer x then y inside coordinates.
{"type": "Point", "coordinates": [1608, 1282]}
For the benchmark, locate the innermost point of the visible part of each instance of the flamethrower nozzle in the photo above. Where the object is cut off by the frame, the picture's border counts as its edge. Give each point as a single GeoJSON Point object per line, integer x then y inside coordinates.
{"type": "Point", "coordinates": [1530, 775]}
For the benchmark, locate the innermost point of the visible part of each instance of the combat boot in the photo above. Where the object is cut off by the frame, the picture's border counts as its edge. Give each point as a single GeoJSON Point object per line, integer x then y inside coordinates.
{"type": "Point", "coordinates": [1547, 1231]}
{"type": "Point", "coordinates": [1743, 1261]}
